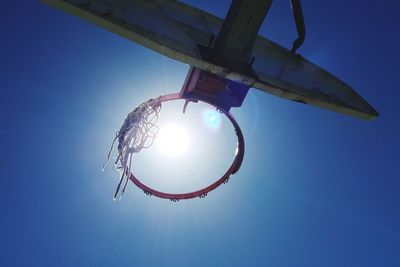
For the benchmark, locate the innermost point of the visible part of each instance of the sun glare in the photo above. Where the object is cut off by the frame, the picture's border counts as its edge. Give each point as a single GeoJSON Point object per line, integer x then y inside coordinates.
{"type": "Point", "coordinates": [173, 140]}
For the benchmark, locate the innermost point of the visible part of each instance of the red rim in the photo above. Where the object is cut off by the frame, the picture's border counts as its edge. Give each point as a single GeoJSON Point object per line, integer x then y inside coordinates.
{"type": "Point", "coordinates": [235, 166]}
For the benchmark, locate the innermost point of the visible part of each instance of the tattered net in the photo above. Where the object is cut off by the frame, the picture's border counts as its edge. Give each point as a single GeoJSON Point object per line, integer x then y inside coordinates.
{"type": "Point", "coordinates": [138, 131]}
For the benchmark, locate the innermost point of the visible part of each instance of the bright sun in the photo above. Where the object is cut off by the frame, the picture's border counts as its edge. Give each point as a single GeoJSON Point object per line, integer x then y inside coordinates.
{"type": "Point", "coordinates": [172, 140]}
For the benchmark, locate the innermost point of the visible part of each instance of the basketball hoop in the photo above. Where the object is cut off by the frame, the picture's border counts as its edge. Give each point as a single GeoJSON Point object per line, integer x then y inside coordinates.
{"type": "Point", "coordinates": [223, 68]}
{"type": "Point", "coordinates": [139, 131]}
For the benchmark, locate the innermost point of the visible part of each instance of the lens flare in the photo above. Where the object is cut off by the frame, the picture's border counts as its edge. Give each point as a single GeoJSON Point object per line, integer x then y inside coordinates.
{"type": "Point", "coordinates": [212, 118]}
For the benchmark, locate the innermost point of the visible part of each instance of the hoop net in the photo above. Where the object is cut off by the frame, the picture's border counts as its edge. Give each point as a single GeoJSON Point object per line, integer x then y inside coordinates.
{"type": "Point", "coordinates": [138, 132]}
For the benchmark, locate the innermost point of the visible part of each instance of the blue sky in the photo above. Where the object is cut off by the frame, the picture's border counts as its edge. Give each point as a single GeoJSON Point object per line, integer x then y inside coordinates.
{"type": "Point", "coordinates": [316, 188]}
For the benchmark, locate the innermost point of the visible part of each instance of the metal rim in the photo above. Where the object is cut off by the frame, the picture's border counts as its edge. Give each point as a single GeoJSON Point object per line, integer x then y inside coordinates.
{"type": "Point", "coordinates": [235, 166]}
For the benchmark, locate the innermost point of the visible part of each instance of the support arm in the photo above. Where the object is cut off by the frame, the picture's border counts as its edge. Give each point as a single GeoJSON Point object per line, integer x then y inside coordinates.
{"type": "Point", "coordinates": [239, 31]}
{"type": "Point", "coordinates": [300, 26]}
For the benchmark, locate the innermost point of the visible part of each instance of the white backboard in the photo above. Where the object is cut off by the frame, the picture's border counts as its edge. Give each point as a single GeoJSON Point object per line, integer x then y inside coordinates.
{"type": "Point", "coordinates": [176, 30]}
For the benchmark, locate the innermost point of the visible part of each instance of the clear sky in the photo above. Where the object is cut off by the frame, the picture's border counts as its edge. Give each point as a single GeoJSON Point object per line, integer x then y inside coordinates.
{"type": "Point", "coordinates": [316, 188]}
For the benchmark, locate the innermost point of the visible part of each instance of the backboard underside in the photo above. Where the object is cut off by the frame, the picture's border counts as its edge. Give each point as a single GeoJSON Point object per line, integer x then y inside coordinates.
{"type": "Point", "coordinates": [177, 30]}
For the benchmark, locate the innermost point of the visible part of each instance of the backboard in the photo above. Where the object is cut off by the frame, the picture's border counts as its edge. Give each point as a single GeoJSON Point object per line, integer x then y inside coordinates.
{"type": "Point", "coordinates": [184, 33]}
